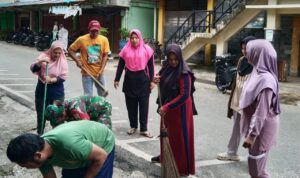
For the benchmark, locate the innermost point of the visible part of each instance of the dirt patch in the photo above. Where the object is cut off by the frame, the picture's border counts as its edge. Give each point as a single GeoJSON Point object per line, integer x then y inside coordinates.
{"type": "Point", "coordinates": [290, 98]}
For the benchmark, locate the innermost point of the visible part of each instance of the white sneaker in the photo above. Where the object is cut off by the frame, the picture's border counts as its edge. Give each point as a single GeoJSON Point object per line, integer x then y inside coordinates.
{"type": "Point", "coordinates": [227, 157]}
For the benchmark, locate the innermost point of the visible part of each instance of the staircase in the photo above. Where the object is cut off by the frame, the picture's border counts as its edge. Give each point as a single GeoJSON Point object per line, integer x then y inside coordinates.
{"type": "Point", "coordinates": [213, 27]}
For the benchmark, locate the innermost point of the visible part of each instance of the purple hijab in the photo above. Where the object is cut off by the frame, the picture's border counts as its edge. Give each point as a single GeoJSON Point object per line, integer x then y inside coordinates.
{"type": "Point", "coordinates": [169, 76]}
{"type": "Point", "coordinates": [261, 54]}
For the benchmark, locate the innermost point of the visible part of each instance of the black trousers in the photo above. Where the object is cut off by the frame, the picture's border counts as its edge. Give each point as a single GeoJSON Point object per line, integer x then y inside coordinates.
{"type": "Point", "coordinates": [39, 111]}
{"type": "Point", "coordinates": [135, 106]}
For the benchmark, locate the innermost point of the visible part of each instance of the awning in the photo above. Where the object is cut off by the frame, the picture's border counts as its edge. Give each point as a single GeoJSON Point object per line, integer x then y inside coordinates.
{"type": "Point", "coordinates": [38, 2]}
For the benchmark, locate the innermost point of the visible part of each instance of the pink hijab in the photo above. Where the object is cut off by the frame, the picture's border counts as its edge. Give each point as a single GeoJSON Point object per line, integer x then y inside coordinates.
{"type": "Point", "coordinates": [136, 58]}
{"type": "Point", "coordinates": [261, 54]}
{"type": "Point", "coordinates": [57, 68]}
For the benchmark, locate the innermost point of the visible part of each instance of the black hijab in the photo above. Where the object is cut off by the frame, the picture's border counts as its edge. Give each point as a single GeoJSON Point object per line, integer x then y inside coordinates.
{"type": "Point", "coordinates": [244, 67]}
{"type": "Point", "coordinates": [169, 76]}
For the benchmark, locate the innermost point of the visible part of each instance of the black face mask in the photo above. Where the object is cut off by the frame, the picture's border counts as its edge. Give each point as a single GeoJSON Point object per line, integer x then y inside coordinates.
{"type": "Point", "coordinates": [244, 68]}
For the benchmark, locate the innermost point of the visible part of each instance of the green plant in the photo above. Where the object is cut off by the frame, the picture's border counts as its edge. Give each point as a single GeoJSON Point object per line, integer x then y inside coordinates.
{"type": "Point", "coordinates": [103, 31]}
{"type": "Point", "coordinates": [124, 33]}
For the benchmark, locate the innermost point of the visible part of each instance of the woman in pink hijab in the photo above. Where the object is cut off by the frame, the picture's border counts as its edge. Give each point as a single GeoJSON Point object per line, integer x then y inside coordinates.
{"type": "Point", "coordinates": [137, 59]}
{"type": "Point", "coordinates": [57, 74]}
{"type": "Point", "coordinates": [260, 106]}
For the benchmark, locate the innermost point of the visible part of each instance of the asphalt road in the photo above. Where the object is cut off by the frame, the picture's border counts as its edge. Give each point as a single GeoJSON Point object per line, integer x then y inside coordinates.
{"type": "Point", "coordinates": [212, 128]}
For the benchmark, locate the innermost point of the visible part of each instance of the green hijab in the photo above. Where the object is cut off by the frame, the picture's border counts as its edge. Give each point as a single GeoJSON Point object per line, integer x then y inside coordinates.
{"type": "Point", "coordinates": [53, 112]}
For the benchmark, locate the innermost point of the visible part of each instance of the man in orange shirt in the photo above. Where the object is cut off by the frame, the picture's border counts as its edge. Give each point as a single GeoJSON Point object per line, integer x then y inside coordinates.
{"type": "Point", "coordinates": [94, 49]}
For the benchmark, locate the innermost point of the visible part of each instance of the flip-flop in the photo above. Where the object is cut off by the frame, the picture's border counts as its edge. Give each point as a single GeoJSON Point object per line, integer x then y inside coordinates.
{"type": "Point", "coordinates": [146, 134]}
{"type": "Point", "coordinates": [131, 131]}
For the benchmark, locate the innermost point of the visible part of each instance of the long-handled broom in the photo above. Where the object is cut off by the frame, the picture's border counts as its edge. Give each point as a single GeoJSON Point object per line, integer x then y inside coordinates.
{"type": "Point", "coordinates": [44, 103]}
{"type": "Point", "coordinates": [96, 81]}
{"type": "Point", "coordinates": [168, 165]}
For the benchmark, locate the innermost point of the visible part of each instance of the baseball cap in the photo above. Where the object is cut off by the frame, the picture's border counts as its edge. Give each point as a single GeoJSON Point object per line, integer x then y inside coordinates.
{"type": "Point", "coordinates": [94, 25]}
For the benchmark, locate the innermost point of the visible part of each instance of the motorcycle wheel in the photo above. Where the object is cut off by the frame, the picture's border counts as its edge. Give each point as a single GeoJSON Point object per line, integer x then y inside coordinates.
{"type": "Point", "coordinates": [219, 85]}
{"type": "Point", "coordinates": [8, 40]}
{"type": "Point", "coordinates": [17, 41]}
{"type": "Point", "coordinates": [40, 46]}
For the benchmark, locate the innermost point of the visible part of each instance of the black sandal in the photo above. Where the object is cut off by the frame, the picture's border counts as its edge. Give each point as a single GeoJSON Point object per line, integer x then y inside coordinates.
{"type": "Point", "coordinates": [155, 159]}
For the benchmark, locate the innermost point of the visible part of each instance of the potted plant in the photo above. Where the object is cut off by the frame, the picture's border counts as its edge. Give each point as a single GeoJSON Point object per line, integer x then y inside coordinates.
{"type": "Point", "coordinates": [103, 31]}
{"type": "Point", "coordinates": [124, 34]}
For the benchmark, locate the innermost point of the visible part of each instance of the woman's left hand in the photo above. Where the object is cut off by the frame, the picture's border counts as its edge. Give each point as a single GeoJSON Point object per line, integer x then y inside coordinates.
{"type": "Point", "coordinates": [156, 79]}
{"type": "Point", "coordinates": [249, 142]}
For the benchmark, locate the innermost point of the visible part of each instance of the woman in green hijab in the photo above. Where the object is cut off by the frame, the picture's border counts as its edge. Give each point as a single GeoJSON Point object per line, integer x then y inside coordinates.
{"type": "Point", "coordinates": [94, 108]}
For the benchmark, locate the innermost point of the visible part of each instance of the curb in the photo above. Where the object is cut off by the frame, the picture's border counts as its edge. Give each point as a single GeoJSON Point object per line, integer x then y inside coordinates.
{"type": "Point", "coordinates": [24, 100]}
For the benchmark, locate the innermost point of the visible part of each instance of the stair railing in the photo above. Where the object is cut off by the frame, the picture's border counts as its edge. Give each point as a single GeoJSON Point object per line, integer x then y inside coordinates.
{"type": "Point", "coordinates": [207, 21]}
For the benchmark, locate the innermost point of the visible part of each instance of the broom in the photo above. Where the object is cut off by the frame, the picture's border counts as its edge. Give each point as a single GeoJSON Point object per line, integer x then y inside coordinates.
{"type": "Point", "coordinates": [168, 165]}
{"type": "Point", "coordinates": [44, 102]}
{"type": "Point", "coordinates": [96, 81]}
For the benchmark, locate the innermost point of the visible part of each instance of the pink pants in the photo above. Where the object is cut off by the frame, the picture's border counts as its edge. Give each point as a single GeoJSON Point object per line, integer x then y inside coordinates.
{"type": "Point", "coordinates": [257, 161]}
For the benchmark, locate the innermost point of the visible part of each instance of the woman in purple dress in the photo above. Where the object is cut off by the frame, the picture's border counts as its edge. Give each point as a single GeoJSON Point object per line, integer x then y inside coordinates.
{"type": "Point", "coordinates": [260, 106]}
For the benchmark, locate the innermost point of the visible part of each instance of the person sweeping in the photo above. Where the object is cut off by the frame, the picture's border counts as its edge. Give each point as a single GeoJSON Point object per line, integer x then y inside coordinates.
{"type": "Point", "coordinates": [176, 83]}
{"type": "Point", "coordinates": [57, 74]}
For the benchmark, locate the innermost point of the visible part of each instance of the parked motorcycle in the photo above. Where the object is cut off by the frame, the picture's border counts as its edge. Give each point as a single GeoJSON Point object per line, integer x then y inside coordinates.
{"type": "Point", "coordinates": [21, 35]}
{"type": "Point", "coordinates": [9, 37]}
{"type": "Point", "coordinates": [157, 48]}
{"type": "Point", "coordinates": [29, 40]}
{"type": "Point", "coordinates": [226, 69]}
{"type": "Point", "coordinates": [43, 42]}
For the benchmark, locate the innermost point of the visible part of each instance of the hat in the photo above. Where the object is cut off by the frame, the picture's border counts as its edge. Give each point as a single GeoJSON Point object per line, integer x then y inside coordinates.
{"type": "Point", "coordinates": [94, 25]}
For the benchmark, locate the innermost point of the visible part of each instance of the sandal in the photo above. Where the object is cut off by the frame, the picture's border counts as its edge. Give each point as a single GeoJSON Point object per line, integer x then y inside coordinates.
{"type": "Point", "coordinates": [146, 134]}
{"type": "Point", "coordinates": [155, 159]}
{"type": "Point", "coordinates": [131, 131]}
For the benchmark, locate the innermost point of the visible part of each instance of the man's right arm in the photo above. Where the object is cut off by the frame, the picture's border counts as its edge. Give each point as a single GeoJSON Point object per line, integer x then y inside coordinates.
{"type": "Point", "coordinates": [72, 53]}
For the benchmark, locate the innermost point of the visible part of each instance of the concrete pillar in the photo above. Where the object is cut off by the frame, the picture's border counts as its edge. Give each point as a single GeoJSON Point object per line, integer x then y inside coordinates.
{"type": "Point", "coordinates": [295, 54]}
{"type": "Point", "coordinates": [155, 22]}
{"type": "Point", "coordinates": [207, 48]}
{"type": "Point", "coordinates": [31, 20]}
{"type": "Point", "coordinates": [222, 47]}
{"type": "Point", "coordinates": [124, 18]}
{"type": "Point", "coordinates": [161, 21]}
{"type": "Point", "coordinates": [40, 21]}
{"type": "Point", "coordinates": [273, 21]}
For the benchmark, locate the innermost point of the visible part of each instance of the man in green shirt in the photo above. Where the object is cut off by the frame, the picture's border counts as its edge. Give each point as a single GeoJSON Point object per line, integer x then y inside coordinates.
{"type": "Point", "coordinates": [84, 149]}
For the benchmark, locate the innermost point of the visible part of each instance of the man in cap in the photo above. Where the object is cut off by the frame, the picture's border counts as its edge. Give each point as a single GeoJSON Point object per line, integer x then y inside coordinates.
{"type": "Point", "coordinates": [94, 49]}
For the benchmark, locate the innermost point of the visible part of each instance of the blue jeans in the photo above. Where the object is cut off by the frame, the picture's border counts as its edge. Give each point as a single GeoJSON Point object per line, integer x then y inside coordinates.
{"type": "Point", "coordinates": [87, 83]}
{"type": "Point", "coordinates": [105, 172]}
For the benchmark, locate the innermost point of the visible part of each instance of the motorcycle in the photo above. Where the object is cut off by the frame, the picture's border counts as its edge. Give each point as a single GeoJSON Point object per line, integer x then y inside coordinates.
{"type": "Point", "coordinates": [226, 69]}
{"type": "Point", "coordinates": [43, 42]}
{"type": "Point", "coordinates": [20, 36]}
{"type": "Point", "coordinates": [29, 40]}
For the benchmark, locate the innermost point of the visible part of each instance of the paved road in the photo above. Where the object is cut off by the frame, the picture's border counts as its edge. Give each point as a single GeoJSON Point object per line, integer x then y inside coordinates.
{"type": "Point", "coordinates": [212, 129]}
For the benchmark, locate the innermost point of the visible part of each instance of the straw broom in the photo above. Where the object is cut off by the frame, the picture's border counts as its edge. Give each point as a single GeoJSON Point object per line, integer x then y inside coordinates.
{"type": "Point", "coordinates": [168, 165]}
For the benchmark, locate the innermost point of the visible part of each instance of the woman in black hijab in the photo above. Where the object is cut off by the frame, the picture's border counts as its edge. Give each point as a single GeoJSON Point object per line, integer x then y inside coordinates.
{"type": "Point", "coordinates": [176, 83]}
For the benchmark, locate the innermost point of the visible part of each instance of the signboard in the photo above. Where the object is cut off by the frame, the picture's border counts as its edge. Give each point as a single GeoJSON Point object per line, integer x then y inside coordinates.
{"type": "Point", "coordinates": [269, 34]}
